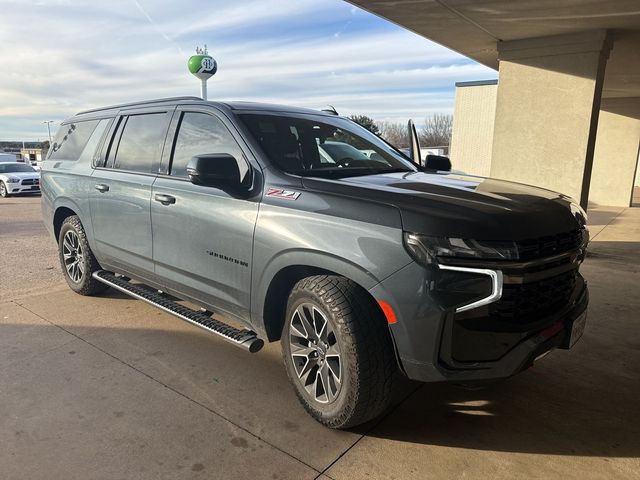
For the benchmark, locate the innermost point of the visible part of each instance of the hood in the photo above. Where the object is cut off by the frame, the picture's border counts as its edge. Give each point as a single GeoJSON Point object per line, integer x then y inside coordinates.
{"type": "Point", "coordinates": [462, 206]}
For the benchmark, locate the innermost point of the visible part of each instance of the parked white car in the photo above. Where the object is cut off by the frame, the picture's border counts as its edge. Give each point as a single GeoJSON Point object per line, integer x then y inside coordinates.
{"type": "Point", "coordinates": [16, 178]}
{"type": "Point", "coordinates": [7, 157]}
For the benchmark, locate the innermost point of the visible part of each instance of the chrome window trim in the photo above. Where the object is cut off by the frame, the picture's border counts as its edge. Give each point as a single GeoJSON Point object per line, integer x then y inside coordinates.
{"type": "Point", "coordinates": [497, 282]}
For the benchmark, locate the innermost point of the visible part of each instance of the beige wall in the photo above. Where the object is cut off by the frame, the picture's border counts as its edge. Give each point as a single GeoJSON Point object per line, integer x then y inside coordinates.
{"type": "Point", "coordinates": [615, 159]}
{"type": "Point", "coordinates": [546, 111]}
{"type": "Point", "coordinates": [472, 137]}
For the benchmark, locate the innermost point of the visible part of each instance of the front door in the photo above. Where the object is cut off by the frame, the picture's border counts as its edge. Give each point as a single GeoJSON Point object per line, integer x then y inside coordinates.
{"type": "Point", "coordinates": [120, 194]}
{"type": "Point", "coordinates": [202, 236]}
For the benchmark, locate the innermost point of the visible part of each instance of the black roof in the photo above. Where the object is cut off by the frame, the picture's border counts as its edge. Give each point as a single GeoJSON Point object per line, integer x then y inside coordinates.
{"type": "Point", "coordinates": [235, 105]}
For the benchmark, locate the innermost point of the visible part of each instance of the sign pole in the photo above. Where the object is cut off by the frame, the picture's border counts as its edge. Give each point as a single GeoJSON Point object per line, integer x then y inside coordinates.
{"type": "Point", "coordinates": [203, 89]}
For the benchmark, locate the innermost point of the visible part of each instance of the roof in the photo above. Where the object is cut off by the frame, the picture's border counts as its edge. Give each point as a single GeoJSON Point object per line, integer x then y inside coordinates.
{"type": "Point", "coordinates": [476, 28]}
{"type": "Point", "coordinates": [476, 83]}
{"type": "Point", "coordinates": [270, 107]}
{"type": "Point", "coordinates": [234, 105]}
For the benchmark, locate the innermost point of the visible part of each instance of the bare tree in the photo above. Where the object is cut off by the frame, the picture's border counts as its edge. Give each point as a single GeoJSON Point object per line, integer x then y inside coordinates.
{"type": "Point", "coordinates": [436, 131]}
{"type": "Point", "coordinates": [396, 134]}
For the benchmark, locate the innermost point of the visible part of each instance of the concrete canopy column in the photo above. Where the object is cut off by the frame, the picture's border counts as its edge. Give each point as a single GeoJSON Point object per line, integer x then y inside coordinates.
{"type": "Point", "coordinates": [616, 152]}
{"type": "Point", "coordinates": [547, 110]}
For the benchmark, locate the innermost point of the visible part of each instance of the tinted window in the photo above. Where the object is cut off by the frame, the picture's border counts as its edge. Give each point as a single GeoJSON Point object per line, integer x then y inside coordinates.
{"type": "Point", "coordinates": [71, 140]}
{"type": "Point", "coordinates": [326, 146]}
{"type": "Point", "coordinates": [200, 134]}
{"type": "Point", "coordinates": [15, 167]}
{"type": "Point", "coordinates": [141, 142]}
{"type": "Point", "coordinates": [90, 148]}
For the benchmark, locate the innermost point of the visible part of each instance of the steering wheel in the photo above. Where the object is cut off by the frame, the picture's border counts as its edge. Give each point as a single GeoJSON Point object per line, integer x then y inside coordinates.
{"type": "Point", "coordinates": [344, 162]}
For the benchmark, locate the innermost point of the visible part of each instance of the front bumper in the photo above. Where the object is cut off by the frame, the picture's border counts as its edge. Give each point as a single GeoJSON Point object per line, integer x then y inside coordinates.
{"type": "Point", "coordinates": [18, 188]}
{"type": "Point", "coordinates": [435, 343]}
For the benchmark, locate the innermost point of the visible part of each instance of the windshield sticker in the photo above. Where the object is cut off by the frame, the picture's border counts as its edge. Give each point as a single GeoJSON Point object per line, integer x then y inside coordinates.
{"type": "Point", "coordinates": [282, 193]}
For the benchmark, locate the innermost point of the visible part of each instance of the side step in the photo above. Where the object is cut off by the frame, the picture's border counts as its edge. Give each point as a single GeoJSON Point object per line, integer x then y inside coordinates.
{"type": "Point", "coordinates": [245, 339]}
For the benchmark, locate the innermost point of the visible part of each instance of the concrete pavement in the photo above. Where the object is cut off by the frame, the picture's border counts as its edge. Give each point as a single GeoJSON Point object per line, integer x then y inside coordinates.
{"type": "Point", "coordinates": [109, 387]}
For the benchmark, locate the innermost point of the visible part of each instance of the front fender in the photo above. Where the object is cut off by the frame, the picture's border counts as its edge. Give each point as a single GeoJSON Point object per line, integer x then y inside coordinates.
{"type": "Point", "coordinates": [363, 251]}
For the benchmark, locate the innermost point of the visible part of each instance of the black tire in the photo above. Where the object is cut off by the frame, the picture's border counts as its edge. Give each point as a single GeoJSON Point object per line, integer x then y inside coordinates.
{"type": "Point", "coordinates": [84, 283]}
{"type": "Point", "coordinates": [367, 361]}
{"type": "Point", "coordinates": [4, 193]}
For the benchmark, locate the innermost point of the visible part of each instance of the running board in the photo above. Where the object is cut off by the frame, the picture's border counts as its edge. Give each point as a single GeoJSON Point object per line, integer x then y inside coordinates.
{"type": "Point", "coordinates": [245, 339]}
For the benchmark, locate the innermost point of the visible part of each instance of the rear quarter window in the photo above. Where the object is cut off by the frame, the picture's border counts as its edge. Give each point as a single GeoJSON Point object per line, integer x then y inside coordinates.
{"type": "Point", "coordinates": [71, 140]}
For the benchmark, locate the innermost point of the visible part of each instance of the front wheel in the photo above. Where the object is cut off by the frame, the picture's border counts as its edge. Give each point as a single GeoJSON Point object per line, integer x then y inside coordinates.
{"type": "Point", "coordinates": [4, 193]}
{"type": "Point", "coordinates": [337, 351]}
{"type": "Point", "coordinates": [76, 258]}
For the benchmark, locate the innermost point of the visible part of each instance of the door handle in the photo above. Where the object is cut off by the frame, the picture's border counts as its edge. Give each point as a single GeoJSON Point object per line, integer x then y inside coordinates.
{"type": "Point", "coordinates": [164, 199]}
{"type": "Point", "coordinates": [101, 187]}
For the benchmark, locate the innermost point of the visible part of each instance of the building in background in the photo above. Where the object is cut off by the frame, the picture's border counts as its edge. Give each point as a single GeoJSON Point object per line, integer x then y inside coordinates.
{"type": "Point", "coordinates": [472, 144]}
{"type": "Point", "coordinates": [33, 156]}
{"type": "Point", "coordinates": [567, 104]}
{"type": "Point", "coordinates": [472, 136]}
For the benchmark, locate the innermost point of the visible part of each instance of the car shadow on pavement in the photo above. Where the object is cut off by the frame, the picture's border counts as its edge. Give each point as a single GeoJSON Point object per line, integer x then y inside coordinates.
{"type": "Point", "coordinates": [534, 413]}
{"type": "Point", "coordinates": [571, 403]}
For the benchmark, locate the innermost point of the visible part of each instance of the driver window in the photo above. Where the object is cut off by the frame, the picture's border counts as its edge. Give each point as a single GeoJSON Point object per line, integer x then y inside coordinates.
{"type": "Point", "coordinates": [201, 133]}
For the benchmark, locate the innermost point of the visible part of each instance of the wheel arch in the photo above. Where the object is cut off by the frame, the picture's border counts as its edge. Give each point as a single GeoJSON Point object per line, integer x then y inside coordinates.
{"type": "Point", "coordinates": [271, 300]}
{"type": "Point", "coordinates": [59, 217]}
{"type": "Point", "coordinates": [64, 207]}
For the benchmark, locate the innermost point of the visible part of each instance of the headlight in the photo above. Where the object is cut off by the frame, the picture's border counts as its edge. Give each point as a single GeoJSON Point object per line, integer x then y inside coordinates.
{"type": "Point", "coordinates": [579, 213]}
{"type": "Point", "coordinates": [14, 180]}
{"type": "Point", "coordinates": [425, 249]}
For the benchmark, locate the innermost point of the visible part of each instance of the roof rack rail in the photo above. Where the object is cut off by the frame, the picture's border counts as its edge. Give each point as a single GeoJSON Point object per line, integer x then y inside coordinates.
{"type": "Point", "coordinates": [144, 102]}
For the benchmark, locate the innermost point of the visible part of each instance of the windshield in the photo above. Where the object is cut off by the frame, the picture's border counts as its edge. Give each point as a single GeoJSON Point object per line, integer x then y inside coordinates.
{"type": "Point", "coordinates": [15, 167]}
{"type": "Point", "coordinates": [322, 146]}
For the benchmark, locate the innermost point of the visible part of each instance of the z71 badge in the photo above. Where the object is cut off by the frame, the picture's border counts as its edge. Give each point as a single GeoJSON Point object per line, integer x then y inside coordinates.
{"type": "Point", "coordinates": [282, 193]}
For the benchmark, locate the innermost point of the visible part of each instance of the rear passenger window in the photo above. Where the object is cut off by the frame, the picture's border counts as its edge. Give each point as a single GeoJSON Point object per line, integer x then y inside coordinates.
{"type": "Point", "coordinates": [71, 140]}
{"type": "Point", "coordinates": [141, 143]}
{"type": "Point", "coordinates": [89, 150]}
{"type": "Point", "coordinates": [200, 134]}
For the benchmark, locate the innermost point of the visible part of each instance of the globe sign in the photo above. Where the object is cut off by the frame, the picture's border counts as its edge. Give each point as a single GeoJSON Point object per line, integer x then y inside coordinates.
{"type": "Point", "coordinates": [202, 66]}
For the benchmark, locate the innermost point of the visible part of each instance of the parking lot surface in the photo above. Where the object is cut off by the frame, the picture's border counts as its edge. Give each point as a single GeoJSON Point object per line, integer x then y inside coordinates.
{"type": "Point", "coordinates": [108, 387]}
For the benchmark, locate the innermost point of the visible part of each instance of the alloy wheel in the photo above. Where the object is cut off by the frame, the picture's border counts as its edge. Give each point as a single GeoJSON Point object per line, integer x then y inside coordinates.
{"type": "Point", "coordinates": [73, 256]}
{"type": "Point", "coordinates": [315, 353]}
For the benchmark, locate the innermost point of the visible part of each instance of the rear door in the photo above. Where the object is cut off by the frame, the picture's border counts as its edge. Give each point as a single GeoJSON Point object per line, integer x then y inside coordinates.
{"type": "Point", "coordinates": [121, 194]}
{"type": "Point", "coordinates": [203, 236]}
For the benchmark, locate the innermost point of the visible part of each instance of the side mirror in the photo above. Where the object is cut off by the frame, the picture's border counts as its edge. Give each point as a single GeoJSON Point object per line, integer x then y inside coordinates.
{"type": "Point", "coordinates": [218, 170]}
{"type": "Point", "coordinates": [437, 162]}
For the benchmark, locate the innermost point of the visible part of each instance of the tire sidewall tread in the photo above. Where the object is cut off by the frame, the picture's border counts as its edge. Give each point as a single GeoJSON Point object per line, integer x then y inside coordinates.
{"type": "Point", "coordinates": [88, 285]}
{"type": "Point", "coordinates": [368, 359]}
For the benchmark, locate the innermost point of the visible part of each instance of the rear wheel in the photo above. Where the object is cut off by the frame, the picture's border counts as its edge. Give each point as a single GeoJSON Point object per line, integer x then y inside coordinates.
{"type": "Point", "coordinates": [76, 258]}
{"type": "Point", "coordinates": [337, 351]}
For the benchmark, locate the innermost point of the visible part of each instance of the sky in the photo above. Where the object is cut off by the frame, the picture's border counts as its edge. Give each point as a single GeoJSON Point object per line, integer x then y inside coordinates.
{"type": "Point", "coordinates": [59, 57]}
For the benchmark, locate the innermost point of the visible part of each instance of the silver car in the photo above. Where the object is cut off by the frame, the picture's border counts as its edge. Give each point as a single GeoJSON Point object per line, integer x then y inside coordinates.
{"type": "Point", "coordinates": [18, 178]}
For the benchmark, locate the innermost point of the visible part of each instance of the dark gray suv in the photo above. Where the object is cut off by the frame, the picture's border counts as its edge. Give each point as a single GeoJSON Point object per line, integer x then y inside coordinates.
{"type": "Point", "coordinates": [278, 223]}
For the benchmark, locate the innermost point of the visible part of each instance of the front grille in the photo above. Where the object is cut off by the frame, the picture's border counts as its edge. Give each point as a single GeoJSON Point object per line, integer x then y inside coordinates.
{"type": "Point", "coordinates": [527, 302]}
{"type": "Point", "coordinates": [31, 181]}
{"type": "Point", "coordinates": [551, 245]}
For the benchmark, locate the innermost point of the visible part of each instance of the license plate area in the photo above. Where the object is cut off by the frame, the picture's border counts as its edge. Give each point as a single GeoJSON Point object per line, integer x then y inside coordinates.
{"type": "Point", "coordinates": [575, 330]}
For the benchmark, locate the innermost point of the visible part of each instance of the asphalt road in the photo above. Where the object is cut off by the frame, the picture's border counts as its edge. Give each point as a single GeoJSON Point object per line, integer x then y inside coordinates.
{"type": "Point", "coordinates": [107, 387]}
{"type": "Point", "coordinates": [28, 259]}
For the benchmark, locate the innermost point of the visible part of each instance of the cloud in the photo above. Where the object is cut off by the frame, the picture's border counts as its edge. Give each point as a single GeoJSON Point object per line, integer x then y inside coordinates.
{"type": "Point", "coordinates": [88, 54]}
